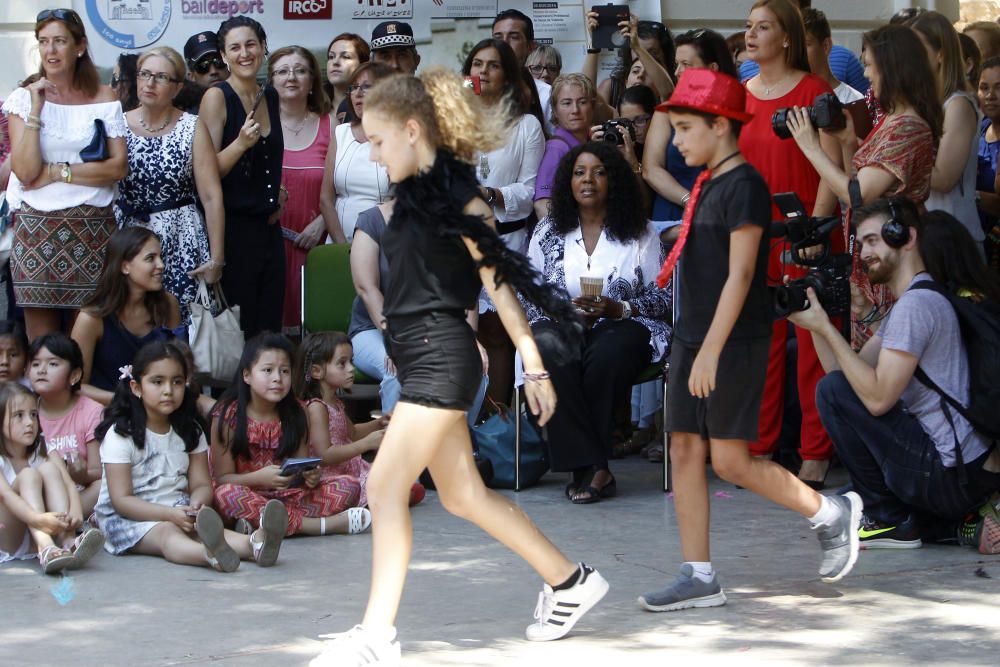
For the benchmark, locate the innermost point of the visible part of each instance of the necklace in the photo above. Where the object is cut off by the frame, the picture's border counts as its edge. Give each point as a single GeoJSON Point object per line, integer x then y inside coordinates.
{"type": "Point", "coordinates": [298, 129]}
{"type": "Point", "coordinates": [723, 161]}
{"type": "Point", "coordinates": [484, 167]}
{"type": "Point", "coordinates": [142, 121]}
{"type": "Point", "coordinates": [768, 89]}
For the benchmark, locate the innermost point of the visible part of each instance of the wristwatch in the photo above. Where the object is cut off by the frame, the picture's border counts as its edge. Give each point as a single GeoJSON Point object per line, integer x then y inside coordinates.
{"type": "Point", "coordinates": [626, 310]}
{"type": "Point", "coordinates": [66, 173]}
{"type": "Point", "coordinates": [491, 196]}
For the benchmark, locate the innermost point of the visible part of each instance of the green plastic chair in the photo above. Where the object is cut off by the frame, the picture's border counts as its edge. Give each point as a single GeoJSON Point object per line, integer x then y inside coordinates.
{"type": "Point", "coordinates": [328, 293]}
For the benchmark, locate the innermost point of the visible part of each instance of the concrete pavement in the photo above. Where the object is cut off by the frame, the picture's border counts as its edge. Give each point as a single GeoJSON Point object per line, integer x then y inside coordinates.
{"type": "Point", "coordinates": [468, 599]}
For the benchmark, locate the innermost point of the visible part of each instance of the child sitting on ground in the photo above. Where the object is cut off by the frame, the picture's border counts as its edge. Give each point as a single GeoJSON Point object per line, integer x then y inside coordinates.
{"type": "Point", "coordinates": [38, 501]}
{"type": "Point", "coordinates": [156, 491]}
{"type": "Point", "coordinates": [67, 418]}
{"type": "Point", "coordinates": [13, 351]}
{"type": "Point", "coordinates": [258, 425]}
{"type": "Point", "coordinates": [323, 368]}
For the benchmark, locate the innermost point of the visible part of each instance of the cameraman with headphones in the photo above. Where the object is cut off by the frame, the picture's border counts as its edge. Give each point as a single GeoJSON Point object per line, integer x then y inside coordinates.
{"type": "Point", "coordinates": [888, 428]}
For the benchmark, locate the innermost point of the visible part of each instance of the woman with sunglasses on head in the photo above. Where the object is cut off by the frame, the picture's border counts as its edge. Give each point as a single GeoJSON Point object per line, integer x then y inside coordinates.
{"type": "Point", "coordinates": [307, 126]}
{"type": "Point", "coordinates": [64, 217]}
{"type": "Point", "coordinates": [244, 122]}
{"type": "Point", "coordinates": [171, 163]}
{"type": "Point", "coordinates": [358, 182]}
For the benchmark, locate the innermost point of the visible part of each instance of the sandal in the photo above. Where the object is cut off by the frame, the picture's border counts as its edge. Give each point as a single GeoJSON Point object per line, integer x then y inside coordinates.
{"type": "Point", "coordinates": [85, 547]}
{"type": "Point", "coordinates": [609, 490]}
{"type": "Point", "coordinates": [54, 559]}
{"type": "Point", "coordinates": [655, 453]}
{"type": "Point", "coordinates": [212, 534]}
{"type": "Point", "coordinates": [273, 524]}
{"type": "Point", "coordinates": [358, 520]}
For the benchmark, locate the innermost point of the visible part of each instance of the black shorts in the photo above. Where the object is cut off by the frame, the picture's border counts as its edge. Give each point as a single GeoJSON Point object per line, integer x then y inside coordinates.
{"type": "Point", "coordinates": [437, 361]}
{"type": "Point", "coordinates": [731, 411]}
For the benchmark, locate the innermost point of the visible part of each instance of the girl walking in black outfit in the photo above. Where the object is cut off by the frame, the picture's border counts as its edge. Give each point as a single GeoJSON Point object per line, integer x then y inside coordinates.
{"type": "Point", "coordinates": [441, 248]}
{"type": "Point", "coordinates": [250, 147]}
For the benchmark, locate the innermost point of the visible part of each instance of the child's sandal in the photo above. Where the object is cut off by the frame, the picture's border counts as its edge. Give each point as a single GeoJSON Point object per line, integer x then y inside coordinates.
{"type": "Point", "coordinates": [212, 534]}
{"type": "Point", "coordinates": [54, 559]}
{"type": "Point", "coordinates": [273, 523]}
{"type": "Point", "coordinates": [358, 520]}
{"type": "Point", "coordinates": [85, 546]}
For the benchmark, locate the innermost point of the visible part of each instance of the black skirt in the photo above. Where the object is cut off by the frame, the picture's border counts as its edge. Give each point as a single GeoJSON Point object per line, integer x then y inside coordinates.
{"type": "Point", "coordinates": [436, 357]}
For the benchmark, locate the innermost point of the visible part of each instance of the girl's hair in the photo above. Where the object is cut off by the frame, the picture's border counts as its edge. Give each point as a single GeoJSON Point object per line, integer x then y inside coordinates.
{"type": "Point", "coordinates": [15, 331]}
{"type": "Point", "coordinates": [8, 390]}
{"type": "Point", "coordinates": [737, 44]}
{"type": "Point", "coordinates": [377, 72]}
{"type": "Point", "coordinates": [360, 47]}
{"type": "Point", "coordinates": [128, 81]}
{"type": "Point", "coordinates": [790, 19]}
{"type": "Point", "coordinates": [85, 76]}
{"type": "Point", "coordinates": [943, 38]}
{"type": "Point", "coordinates": [546, 53]}
{"type": "Point", "coordinates": [317, 349]}
{"type": "Point", "coordinates": [294, 426]}
{"type": "Point", "coordinates": [661, 33]}
{"type": "Point", "coordinates": [111, 293]}
{"type": "Point", "coordinates": [641, 95]}
{"type": "Point", "coordinates": [992, 30]}
{"type": "Point", "coordinates": [970, 51]}
{"type": "Point", "coordinates": [240, 21]}
{"type": "Point", "coordinates": [170, 55]}
{"type": "Point", "coordinates": [952, 257]}
{"type": "Point", "coordinates": [901, 59]}
{"type": "Point", "coordinates": [711, 47]}
{"type": "Point", "coordinates": [624, 219]}
{"type": "Point", "coordinates": [62, 346]}
{"type": "Point", "coordinates": [453, 117]}
{"type": "Point", "coordinates": [515, 87]}
{"type": "Point", "coordinates": [564, 80]}
{"type": "Point", "coordinates": [127, 414]}
{"type": "Point", "coordinates": [316, 101]}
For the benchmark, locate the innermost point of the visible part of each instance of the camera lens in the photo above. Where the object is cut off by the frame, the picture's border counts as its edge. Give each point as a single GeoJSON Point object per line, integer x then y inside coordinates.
{"type": "Point", "coordinates": [789, 299]}
{"type": "Point", "coordinates": [779, 123]}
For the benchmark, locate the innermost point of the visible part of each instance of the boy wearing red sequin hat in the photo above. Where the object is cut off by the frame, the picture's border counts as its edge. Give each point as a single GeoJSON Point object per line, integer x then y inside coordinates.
{"type": "Point", "coordinates": [718, 359]}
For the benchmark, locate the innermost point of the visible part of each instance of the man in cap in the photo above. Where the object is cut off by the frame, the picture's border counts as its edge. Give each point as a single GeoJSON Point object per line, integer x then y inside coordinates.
{"type": "Point", "coordinates": [205, 68]}
{"type": "Point", "coordinates": [392, 44]}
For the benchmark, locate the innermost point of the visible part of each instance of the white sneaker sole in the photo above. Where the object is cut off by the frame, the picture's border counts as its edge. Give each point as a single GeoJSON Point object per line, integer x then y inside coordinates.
{"type": "Point", "coordinates": [273, 523]}
{"type": "Point", "coordinates": [714, 600]}
{"type": "Point", "coordinates": [891, 544]}
{"type": "Point", "coordinates": [547, 633]}
{"type": "Point", "coordinates": [856, 508]}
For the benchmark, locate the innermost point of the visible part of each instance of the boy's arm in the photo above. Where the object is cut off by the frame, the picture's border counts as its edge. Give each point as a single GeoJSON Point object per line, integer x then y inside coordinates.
{"type": "Point", "coordinates": [744, 243]}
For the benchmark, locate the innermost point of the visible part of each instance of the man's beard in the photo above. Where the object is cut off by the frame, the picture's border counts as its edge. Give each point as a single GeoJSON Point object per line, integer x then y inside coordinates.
{"type": "Point", "coordinates": [881, 273]}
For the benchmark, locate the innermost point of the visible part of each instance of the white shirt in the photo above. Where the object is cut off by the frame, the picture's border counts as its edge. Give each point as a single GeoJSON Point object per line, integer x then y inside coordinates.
{"type": "Point", "coordinates": [545, 99]}
{"type": "Point", "coordinates": [66, 130]}
{"type": "Point", "coordinates": [159, 469]}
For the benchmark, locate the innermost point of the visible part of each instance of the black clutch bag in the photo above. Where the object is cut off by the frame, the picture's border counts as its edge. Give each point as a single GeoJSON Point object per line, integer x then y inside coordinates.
{"type": "Point", "coordinates": [97, 149]}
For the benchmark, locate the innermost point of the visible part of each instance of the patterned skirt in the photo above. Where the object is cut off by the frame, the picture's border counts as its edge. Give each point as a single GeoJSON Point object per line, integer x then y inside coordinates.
{"type": "Point", "coordinates": [58, 256]}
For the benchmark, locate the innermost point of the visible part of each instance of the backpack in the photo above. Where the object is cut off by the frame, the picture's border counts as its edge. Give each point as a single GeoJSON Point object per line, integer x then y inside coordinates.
{"type": "Point", "coordinates": [980, 326]}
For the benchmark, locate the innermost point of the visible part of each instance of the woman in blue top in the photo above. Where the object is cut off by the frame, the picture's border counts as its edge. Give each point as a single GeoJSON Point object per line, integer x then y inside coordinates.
{"type": "Point", "coordinates": [663, 166]}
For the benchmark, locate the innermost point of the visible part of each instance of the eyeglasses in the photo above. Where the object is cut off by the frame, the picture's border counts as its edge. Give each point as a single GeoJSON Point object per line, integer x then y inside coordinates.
{"type": "Point", "coordinates": [548, 69]}
{"type": "Point", "coordinates": [205, 64]}
{"type": "Point", "coordinates": [641, 121]}
{"type": "Point", "coordinates": [67, 15]}
{"type": "Point", "coordinates": [363, 88]}
{"type": "Point", "coordinates": [161, 78]}
{"type": "Point", "coordinates": [651, 26]}
{"type": "Point", "coordinates": [285, 72]}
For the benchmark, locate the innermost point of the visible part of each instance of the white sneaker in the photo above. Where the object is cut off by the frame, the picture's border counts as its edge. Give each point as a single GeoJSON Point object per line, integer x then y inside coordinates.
{"type": "Point", "coordinates": [558, 611]}
{"type": "Point", "coordinates": [359, 647]}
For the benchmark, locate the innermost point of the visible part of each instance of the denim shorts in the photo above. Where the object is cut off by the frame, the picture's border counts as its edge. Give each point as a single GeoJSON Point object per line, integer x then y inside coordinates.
{"type": "Point", "coordinates": [436, 357]}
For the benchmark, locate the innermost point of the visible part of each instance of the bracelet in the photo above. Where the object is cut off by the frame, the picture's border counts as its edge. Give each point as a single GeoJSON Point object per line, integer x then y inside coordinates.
{"type": "Point", "coordinates": [35, 119]}
{"type": "Point", "coordinates": [282, 188]}
{"type": "Point", "coordinates": [212, 263]}
{"type": "Point", "coordinates": [685, 198]}
{"type": "Point", "coordinates": [638, 168]}
{"type": "Point", "coordinates": [593, 51]}
{"type": "Point", "coordinates": [31, 125]}
{"type": "Point", "coordinates": [536, 377]}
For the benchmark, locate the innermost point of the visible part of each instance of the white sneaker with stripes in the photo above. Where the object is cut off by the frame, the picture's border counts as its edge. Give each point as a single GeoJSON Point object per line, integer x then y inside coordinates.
{"type": "Point", "coordinates": [558, 611]}
{"type": "Point", "coordinates": [359, 647]}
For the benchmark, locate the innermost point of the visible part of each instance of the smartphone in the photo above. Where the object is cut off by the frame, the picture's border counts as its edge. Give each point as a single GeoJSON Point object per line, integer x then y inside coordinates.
{"type": "Point", "coordinates": [474, 84]}
{"type": "Point", "coordinates": [606, 35]}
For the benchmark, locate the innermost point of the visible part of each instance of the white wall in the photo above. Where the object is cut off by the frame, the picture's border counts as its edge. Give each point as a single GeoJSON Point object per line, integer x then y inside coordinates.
{"type": "Point", "coordinates": [849, 18]}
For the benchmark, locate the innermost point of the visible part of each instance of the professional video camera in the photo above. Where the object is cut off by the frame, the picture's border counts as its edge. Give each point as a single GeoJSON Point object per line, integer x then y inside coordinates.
{"type": "Point", "coordinates": [826, 113]}
{"type": "Point", "coordinates": [829, 276]}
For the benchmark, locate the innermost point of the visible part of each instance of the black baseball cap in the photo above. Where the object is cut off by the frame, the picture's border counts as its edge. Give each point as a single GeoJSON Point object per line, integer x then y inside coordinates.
{"type": "Point", "coordinates": [200, 45]}
{"type": "Point", "coordinates": [389, 34]}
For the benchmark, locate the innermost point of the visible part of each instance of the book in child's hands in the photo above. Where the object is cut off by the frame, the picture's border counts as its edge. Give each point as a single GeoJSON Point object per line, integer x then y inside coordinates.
{"type": "Point", "coordinates": [298, 466]}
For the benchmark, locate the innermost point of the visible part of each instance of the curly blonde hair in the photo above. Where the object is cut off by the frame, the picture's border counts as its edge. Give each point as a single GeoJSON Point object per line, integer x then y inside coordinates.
{"type": "Point", "coordinates": [452, 115]}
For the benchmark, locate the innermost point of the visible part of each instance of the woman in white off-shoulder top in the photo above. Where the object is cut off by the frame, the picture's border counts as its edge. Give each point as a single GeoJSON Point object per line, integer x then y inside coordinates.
{"type": "Point", "coordinates": [62, 205]}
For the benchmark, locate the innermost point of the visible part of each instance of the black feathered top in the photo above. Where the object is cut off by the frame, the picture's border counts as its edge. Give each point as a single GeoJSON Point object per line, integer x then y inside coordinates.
{"type": "Point", "coordinates": [430, 267]}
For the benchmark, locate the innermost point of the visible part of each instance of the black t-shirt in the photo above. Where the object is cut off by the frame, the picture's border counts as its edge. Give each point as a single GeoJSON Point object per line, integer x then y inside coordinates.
{"type": "Point", "coordinates": [736, 198]}
{"type": "Point", "coordinates": [429, 272]}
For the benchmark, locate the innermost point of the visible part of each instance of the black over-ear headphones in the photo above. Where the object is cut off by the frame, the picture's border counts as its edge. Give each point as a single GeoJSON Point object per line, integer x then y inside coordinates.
{"type": "Point", "coordinates": [895, 232]}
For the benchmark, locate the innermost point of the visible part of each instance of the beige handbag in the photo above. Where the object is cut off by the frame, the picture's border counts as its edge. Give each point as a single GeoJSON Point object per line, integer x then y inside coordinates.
{"type": "Point", "coordinates": [216, 340]}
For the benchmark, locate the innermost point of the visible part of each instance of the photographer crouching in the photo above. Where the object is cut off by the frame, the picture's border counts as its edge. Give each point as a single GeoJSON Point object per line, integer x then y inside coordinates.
{"type": "Point", "coordinates": [904, 450]}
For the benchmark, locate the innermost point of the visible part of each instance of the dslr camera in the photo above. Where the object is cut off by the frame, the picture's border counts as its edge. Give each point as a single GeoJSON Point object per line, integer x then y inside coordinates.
{"type": "Point", "coordinates": [826, 113]}
{"type": "Point", "coordinates": [611, 133]}
{"type": "Point", "coordinates": [829, 276]}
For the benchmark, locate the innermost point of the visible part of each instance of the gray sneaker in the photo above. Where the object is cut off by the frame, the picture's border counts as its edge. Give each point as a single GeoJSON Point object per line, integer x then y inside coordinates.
{"type": "Point", "coordinates": [685, 592]}
{"type": "Point", "coordinates": [840, 539]}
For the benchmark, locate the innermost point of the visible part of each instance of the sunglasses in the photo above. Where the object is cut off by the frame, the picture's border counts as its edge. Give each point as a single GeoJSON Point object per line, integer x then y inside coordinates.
{"type": "Point", "coordinates": [67, 15]}
{"type": "Point", "coordinates": [651, 26]}
{"type": "Point", "coordinates": [205, 64]}
{"type": "Point", "coordinates": [115, 80]}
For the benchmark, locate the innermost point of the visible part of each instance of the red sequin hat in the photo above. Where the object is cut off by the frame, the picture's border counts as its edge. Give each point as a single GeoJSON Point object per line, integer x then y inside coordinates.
{"type": "Point", "coordinates": [703, 89]}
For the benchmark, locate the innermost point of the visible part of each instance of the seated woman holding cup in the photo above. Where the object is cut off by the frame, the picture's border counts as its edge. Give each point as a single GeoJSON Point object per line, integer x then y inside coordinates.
{"type": "Point", "coordinates": [597, 244]}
